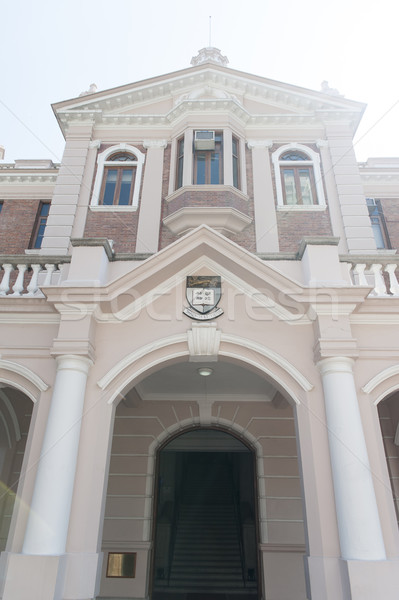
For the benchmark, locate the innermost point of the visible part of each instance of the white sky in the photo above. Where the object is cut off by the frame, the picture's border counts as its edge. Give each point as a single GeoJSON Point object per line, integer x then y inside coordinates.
{"type": "Point", "coordinates": [52, 50]}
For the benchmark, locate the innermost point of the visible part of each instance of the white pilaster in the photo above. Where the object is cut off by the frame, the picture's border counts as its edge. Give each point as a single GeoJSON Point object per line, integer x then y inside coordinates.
{"type": "Point", "coordinates": [355, 216]}
{"type": "Point", "coordinates": [357, 513]}
{"type": "Point", "coordinates": [151, 198]}
{"type": "Point", "coordinates": [47, 528]}
{"type": "Point", "coordinates": [227, 157]}
{"type": "Point", "coordinates": [67, 191]}
{"type": "Point", "coordinates": [265, 211]}
{"type": "Point", "coordinates": [188, 157]}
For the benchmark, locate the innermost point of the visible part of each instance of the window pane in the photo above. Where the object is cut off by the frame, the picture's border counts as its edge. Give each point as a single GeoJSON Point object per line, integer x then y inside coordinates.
{"type": "Point", "coordinates": [306, 186]}
{"type": "Point", "coordinates": [215, 166]}
{"type": "Point", "coordinates": [110, 186]}
{"type": "Point", "coordinates": [200, 168]}
{"type": "Point", "coordinates": [377, 230]}
{"type": "Point", "coordinates": [235, 172]}
{"type": "Point", "coordinates": [126, 185]}
{"type": "Point", "coordinates": [44, 210]}
{"type": "Point", "coordinates": [289, 184]}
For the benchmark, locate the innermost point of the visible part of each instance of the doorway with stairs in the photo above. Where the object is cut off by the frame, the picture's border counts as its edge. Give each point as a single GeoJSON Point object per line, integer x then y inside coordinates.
{"type": "Point", "coordinates": [206, 537]}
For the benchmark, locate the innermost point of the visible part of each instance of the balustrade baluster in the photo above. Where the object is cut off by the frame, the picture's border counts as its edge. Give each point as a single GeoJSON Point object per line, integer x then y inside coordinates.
{"type": "Point", "coordinates": [18, 287]}
{"type": "Point", "coordinates": [50, 268]}
{"type": "Point", "coordinates": [33, 287]}
{"type": "Point", "coordinates": [393, 282]}
{"type": "Point", "coordinates": [5, 282]}
{"type": "Point", "coordinates": [380, 288]}
{"type": "Point", "coordinates": [359, 271]}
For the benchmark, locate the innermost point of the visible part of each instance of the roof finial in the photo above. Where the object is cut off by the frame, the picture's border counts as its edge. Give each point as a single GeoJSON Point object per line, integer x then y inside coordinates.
{"type": "Point", "coordinates": [211, 55]}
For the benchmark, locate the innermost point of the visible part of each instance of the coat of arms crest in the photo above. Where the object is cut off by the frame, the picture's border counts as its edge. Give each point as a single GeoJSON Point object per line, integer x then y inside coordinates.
{"type": "Point", "coordinates": [203, 293]}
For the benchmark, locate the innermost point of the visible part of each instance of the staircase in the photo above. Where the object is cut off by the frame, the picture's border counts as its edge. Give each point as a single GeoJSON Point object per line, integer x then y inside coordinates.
{"type": "Point", "coordinates": [207, 551]}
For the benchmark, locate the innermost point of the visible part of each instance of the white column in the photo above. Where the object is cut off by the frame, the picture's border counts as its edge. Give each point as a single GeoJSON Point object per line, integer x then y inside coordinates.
{"type": "Point", "coordinates": [47, 528]}
{"type": "Point", "coordinates": [265, 210]}
{"type": "Point", "coordinates": [357, 512]}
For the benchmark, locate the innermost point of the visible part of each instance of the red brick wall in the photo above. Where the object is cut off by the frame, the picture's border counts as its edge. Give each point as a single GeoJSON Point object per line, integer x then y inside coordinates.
{"type": "Point", "coordinates": [17, 221]}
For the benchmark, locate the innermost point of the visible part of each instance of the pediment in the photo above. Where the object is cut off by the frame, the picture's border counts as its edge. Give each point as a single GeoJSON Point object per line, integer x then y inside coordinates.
{"type": "Point", "coordinates": [200, 252]}
{"type": "Point", "coordinates": [206, 87]}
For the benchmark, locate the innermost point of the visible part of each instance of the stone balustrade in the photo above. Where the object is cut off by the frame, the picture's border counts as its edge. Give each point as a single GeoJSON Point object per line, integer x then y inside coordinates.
{"type": "Point", "coordinates": [375, 272]}
{"type": "Point", "coordinates": [22, 276]}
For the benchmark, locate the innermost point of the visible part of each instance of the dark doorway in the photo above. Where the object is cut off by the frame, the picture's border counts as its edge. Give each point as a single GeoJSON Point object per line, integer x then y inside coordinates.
{"type": "Point", "coordinates": [205, 545]}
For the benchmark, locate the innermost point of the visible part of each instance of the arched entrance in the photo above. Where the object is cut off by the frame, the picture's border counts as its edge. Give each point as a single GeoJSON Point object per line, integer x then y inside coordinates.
{"type": "Point", "coordinates": [206, 539]}
{"type": "Point", "coordinates": [15, 417]}
{"type": "Point", "coordinates": [388, 412]}
{"type": "Point", "coordinates": [258, 423]}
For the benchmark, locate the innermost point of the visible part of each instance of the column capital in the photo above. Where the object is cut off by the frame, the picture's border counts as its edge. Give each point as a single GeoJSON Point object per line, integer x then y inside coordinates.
{"type": "Point", "coordinates": [252, 144]}
{"type": "Point", "coordinates": [336, 364]}
{"type": "Point", "coordinates": [322, 143]}
{"type": "Point", "coordinates": [95, 144]}
{"type": "Point", "coordinates": [74, 362]}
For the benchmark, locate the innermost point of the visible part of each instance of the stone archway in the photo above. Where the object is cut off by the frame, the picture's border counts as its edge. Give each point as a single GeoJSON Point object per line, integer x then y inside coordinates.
{"type": "Point", "coordinates": [172, 401]}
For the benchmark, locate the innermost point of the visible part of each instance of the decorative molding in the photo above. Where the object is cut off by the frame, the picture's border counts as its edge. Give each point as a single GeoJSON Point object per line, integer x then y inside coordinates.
{"type": "Point", "coordinates": [95, 144]}
{"type": "Point", "coordinates": [224, 219]}
{"type": "Point", "coordinates": [203, 342]}
{"type": "Point", "coordinates": [259, 144]}
{"type": "Point", "coordinates": [379, 378]}
{"type": "Point", "coordinates": [24, 372]}
{"type": "Point", "coordinates": [155, 143]}
{"type": "Point", "coordinates": [322, 143]}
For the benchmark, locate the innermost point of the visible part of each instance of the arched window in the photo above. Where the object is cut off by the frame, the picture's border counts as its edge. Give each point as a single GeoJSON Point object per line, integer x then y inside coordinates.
{"type": "Point", "coordinates": [118, 178]}
{"type": "Point", "coordinates": [298, 178]}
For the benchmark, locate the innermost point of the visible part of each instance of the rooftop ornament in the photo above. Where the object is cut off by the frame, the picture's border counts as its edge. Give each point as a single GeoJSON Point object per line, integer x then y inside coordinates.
{"type": "Point", "coordinates": [209, 54]}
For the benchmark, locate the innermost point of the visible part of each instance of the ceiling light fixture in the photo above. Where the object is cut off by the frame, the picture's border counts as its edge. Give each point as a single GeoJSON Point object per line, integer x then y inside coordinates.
{"type": "Point", "coordinates": [205, 371]}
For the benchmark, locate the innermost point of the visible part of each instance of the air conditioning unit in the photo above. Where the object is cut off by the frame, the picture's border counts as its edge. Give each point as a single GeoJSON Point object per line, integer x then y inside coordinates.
{"type": "Point", "coordinates": [204, 140]}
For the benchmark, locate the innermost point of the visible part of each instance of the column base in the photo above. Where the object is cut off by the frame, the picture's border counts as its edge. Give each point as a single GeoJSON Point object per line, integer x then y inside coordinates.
{"type": "Point", "coordinates": [338, 579]}
{"type": "Point", "coordinates": [64, 577]}
{"type": "Point", "coordinates": [28, 577]}
{"type": "Point", "coordinates": [368, 580]}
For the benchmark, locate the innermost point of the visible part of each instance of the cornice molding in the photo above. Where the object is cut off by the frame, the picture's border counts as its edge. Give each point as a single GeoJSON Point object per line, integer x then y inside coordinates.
{"type": "Point", "coordinates": [14, 177]}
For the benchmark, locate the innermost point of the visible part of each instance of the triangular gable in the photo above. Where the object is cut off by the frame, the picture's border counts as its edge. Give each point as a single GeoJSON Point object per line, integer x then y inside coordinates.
{"type": "Point", "coordinates": [201, 251]}
{"type": "Point", "coordinates": [210, 82]}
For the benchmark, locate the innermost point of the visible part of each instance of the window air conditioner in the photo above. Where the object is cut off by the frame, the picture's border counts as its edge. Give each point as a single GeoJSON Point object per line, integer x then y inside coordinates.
{"type": "Point", "coordinates": [204, 140]}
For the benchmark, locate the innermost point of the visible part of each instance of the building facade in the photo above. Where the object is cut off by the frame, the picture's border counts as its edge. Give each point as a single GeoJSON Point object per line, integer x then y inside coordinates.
{"type": "Point", "coordinates": [199, 358]}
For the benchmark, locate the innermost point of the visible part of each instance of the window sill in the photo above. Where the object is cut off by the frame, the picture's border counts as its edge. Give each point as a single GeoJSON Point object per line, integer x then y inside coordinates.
{"type": "Point", "coordinates": [301, 207]}
{"type": "Point", "coordinates": [112, 208]}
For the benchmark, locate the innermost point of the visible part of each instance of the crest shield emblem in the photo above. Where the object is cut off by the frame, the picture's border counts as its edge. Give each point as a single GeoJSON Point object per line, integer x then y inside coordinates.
{"type": "Point", "coordinates": [203, 293]}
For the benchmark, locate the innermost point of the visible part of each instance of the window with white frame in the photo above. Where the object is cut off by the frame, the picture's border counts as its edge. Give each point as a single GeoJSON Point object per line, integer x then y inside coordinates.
{"type": "Point", "coordinates": [298, 178]}
{"type": "Point", "coordinates": [118, 179]}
